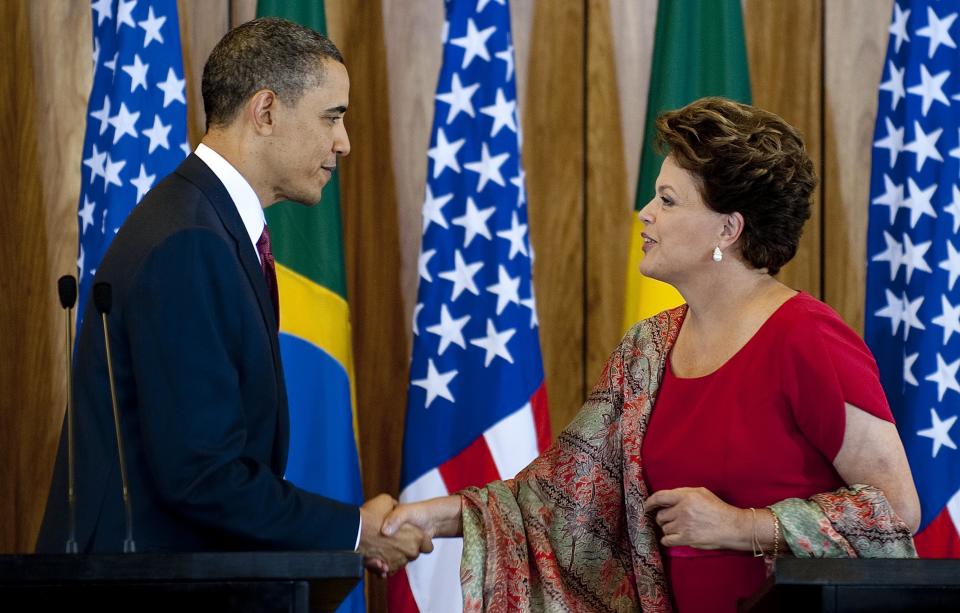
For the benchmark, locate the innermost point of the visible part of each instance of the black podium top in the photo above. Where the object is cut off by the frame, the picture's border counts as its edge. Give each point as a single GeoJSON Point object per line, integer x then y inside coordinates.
{"type": "Point", "coordinates": [859, 585]}
{"type": "Point", "coordinates": [291, 581]}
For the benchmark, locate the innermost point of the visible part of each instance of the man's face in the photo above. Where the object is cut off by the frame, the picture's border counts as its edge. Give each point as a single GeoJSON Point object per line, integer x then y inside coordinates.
{"type": "Point", "coordinates": [309, 137]}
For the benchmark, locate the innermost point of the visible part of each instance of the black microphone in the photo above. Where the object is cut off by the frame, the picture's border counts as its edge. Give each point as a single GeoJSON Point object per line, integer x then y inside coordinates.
{"type": "Point", "coordinates": [67, 289]}
{"type": "Point", "coordinates": [103, 300]}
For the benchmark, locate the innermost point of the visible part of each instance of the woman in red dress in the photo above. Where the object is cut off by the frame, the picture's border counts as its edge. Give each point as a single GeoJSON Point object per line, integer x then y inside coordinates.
{"type": "Point", "coordinates": [745, 425]}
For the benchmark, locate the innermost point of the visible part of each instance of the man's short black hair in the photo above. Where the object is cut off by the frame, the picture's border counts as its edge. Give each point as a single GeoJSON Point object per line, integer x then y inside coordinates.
{"type": "Point", "coordinates": [267, 53]}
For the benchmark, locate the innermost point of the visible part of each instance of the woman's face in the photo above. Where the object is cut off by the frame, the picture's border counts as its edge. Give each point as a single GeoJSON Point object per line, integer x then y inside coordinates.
{"type": "Point", "coordinates": [680, 231]}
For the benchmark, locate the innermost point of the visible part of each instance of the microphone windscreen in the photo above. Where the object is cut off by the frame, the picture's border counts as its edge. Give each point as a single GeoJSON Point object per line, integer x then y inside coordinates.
{"type": "Point", "coordinates": [67, 288]}
{"type": "Point", "coordinates": [103, 297]}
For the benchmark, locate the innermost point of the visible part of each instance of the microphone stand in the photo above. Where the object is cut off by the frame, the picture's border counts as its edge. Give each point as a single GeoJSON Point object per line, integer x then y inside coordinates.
{"type": "Point", "coordinates": [67, 289]}
{"type": "Point", "coordinates": [103, 298]}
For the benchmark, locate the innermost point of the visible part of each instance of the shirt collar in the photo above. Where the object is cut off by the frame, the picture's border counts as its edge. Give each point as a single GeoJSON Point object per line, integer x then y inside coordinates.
{"type": "Point", "coordinates": [242, 194]}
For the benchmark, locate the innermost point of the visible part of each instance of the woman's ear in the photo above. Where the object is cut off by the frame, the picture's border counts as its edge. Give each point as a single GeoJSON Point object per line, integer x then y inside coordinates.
{"type": "Point", "coordinates": [732, 228]}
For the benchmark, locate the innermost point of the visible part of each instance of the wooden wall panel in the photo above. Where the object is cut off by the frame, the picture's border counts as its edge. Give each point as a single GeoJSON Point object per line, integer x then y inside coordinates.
{"type": "Point", "coordinates": [856, 42]}
{"type": "Point", "coordinates": [63, 76]}
{"type": "Point", "coordinates": [632, 25]}
{"type": "Point", "coordinates": [245, 10]}
{"type": "Point", "coordinates": [521, 25]}
{"type": "Point", "coordinates": [202, 25]}
{"type": "Point", "coordinates": [553, 154]}
{"type": "Point", "coordinates": [18, 139]}
{"type": "Point", "coordinates": [608, 215]}
{"type": "Point", "coordinates": [369, 202]}
{"type": "Point", "coordinates": [413, 65]}
{"type": "Point", "coordinates": [45, 87]}
{"type": "Point", "coordinates": [786, 79]}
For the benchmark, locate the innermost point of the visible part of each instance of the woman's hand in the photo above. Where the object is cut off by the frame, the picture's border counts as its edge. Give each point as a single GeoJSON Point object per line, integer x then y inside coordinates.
{"type": "Point", "coordinates": [435, 517]}
{"type": "Point", "coordinates": [695, 517]}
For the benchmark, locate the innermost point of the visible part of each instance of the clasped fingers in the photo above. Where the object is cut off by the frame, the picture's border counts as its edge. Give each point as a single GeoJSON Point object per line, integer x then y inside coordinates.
{"type": "Point", "coordinates": [412, 541]}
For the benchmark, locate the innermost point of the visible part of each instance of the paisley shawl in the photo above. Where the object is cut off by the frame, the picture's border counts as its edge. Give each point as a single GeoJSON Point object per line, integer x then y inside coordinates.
{"type": "Point", "coordinates": [569, 532]}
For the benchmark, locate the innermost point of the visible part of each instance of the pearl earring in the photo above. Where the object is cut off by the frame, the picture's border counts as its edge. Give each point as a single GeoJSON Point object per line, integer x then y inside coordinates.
{"type": "Point", "coordinates": [717, 254]}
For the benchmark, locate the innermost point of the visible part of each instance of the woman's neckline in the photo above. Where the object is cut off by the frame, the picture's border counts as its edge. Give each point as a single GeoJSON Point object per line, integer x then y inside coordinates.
{"type": "Point", "coordinates": [741, 350]}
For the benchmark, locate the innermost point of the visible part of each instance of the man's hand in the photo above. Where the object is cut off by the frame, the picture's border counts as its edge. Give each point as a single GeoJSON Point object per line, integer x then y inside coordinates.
{"type": "Point", "coordinates": [386, 554]}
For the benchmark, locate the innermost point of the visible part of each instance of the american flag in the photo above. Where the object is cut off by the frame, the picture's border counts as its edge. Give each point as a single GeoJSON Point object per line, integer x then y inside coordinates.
{"type": "Point", "coordinates": [137, 120]}
{"type": "Point", "coordinates": [477, 408]}
{"type": "Point", "coordinates": [913, 250]}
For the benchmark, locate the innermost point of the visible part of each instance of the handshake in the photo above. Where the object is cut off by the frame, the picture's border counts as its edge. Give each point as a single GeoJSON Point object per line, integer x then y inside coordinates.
{"type": "Point", "coordinates": [393, 534]}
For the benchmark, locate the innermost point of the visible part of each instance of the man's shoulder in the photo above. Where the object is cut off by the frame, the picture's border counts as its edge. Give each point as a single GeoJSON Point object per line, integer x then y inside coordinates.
{"type": "Point", "coordinates": [174, 207]}
{"type": "Point", "coordinates": [177, 202]}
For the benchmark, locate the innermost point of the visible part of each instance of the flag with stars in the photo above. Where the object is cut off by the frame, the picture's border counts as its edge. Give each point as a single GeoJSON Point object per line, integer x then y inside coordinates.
{"type": "Point", "coordinates": [913, 256]}
{"type": "Point", "coordinates": [476, 408]}
{"type": "Point", "coordinates": [136, 120]}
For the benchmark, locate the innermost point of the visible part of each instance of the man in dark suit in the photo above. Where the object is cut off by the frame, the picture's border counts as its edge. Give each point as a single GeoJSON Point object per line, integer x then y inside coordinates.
{"type": "Point", "coordinates": [193, 329]}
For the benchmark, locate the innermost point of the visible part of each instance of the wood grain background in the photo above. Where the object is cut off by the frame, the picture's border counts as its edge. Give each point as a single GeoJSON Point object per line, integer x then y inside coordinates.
{"type": "Point", "coordinates": [582, 70]}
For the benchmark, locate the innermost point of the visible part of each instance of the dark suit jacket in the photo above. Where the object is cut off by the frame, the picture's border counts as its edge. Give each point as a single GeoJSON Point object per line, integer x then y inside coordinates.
{"type": "Point", "coordinates": [200, 387]}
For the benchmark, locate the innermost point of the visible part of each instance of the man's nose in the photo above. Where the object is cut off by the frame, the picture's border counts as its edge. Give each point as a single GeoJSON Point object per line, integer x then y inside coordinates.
{"type": "Point", "coordinates": [341, 143]}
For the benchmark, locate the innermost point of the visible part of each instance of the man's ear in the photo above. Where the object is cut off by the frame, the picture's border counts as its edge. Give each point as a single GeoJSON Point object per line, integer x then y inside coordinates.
{"type": "Point", "coordinates": [261, 109]}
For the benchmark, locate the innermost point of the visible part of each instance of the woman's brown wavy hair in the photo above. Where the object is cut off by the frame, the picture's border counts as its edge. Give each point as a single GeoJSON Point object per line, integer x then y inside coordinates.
{"type": "Point", "coordinates": [746, 160]}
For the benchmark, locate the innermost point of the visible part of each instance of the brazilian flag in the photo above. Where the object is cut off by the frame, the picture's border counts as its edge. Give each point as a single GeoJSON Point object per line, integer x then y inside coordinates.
{"type": "Point", "coordinates": [315, 342]}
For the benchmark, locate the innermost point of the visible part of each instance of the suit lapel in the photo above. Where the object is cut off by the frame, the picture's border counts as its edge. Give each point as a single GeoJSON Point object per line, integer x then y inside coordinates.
{"type": "Point", "coordinates": [197, 172]}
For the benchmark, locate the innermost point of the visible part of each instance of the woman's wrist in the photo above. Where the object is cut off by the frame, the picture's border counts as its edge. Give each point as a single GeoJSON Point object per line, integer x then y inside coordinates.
{"type": "Point", "coordinates": [754, 529]}
{"type": "Point", "coordinates": [447, 516]}
{"type": "Point", "coordinates": [743, 530]}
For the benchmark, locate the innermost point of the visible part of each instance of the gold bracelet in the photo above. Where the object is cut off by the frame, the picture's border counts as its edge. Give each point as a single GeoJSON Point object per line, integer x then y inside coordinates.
{"type": "Point", "coordinates": [776, 534]}
{"type": "Point", "coordinates": [755, 542]}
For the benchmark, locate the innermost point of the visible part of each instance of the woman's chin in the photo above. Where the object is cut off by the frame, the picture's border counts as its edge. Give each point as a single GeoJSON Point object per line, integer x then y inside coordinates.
{"type": "Point", "coordinates": [650, 272]}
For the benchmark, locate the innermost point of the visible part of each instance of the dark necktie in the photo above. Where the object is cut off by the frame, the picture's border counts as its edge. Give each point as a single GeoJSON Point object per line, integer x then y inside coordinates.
{"type": "Point", "coordinates": [269, 268]}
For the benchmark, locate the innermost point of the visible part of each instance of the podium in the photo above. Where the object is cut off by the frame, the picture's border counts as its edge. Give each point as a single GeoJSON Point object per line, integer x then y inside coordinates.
{"type": "Point", "coordinates": [847, 585]}
{"type": "Point", "coordinates": [294, 582]}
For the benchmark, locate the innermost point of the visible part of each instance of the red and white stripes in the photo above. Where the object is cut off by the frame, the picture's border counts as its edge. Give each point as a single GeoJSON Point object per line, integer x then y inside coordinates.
{"type": "Point", "coordinates": [432, 582]}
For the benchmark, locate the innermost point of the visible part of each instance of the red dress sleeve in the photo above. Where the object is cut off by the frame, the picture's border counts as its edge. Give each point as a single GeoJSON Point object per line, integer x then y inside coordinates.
{"type": "Point", "coordinates": [826, 364]}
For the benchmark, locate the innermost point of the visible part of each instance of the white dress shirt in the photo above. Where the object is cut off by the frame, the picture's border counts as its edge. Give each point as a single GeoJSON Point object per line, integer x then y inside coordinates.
{"type": "Point", "coordinates": [243, 196]}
